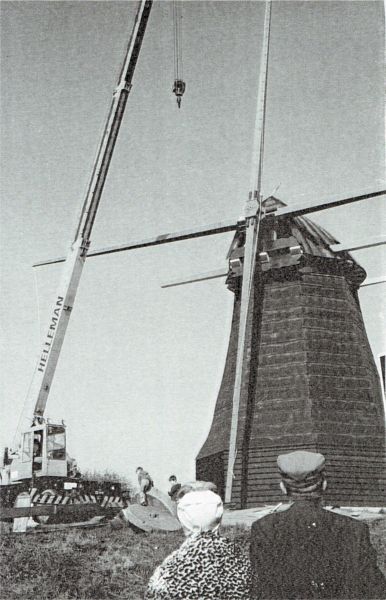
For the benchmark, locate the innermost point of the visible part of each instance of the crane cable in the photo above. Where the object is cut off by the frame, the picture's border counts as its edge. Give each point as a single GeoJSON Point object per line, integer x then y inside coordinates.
{"type": "Point", "coordinates": [179, 84]}
{"type": "Point", "coordinates": [177, 41]}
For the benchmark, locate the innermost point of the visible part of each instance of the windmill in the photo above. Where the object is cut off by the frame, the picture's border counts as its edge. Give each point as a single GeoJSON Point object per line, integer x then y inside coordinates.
{"type": "Point", "coordinates": [259, 218]}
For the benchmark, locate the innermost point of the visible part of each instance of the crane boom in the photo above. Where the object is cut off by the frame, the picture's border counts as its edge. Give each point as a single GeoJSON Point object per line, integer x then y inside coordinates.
{"type": "Point", "coordinates": [61, 311]}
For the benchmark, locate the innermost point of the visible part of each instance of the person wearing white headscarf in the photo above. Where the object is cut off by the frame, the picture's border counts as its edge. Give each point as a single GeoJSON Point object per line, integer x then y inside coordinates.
{"type": "Point", "coordinates": [207, 566]}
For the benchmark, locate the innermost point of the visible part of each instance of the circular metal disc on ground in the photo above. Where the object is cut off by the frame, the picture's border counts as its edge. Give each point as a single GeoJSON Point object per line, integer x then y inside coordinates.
{"type": "Point", "coordinates": [158, 500]}
{"type": "Point", "coordinates": [148, 518]}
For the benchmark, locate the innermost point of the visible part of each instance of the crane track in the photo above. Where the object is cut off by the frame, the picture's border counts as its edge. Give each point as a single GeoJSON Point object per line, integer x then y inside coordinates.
{"type": "Point", "coordinates": [54, 497]}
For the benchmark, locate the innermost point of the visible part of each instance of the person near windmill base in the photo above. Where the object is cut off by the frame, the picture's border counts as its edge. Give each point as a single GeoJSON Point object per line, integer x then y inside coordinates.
{"type": "Point", "coordinates": [207, 566]}
{"type": "Point", "coordinates": [308, 552]}
{"type": "Point", "coordinates": [174, 488]}
{"type": "Point", "coordinates": [145, 484]}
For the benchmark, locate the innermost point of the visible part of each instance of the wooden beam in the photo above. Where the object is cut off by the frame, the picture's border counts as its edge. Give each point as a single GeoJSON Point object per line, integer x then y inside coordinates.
{"type": "Point", "coordinates": [297, 211]}
{"type": "Point", "coordinates": [97, 521]}
{"type": "Point", "coordinates": [216, 228]}
{"type": "Point", "coordinates": [253, 213]}
{"type": "Point", "coordinates": [48, 509]}
{"type": "Point", "coordinates": [198, 277]}
{"type": "Point", "coordinates": [14, 512]}
{"type": "Point", "coordinates": [165, 238]}
{"type": "Point", "coordinates": [224, 272]}
{"type": "Point", "coordinates": [246, 286]}
{"type": "Point", "coordinates": [374, 281]}
{"type": "Point", "coordinates": [378, 241]}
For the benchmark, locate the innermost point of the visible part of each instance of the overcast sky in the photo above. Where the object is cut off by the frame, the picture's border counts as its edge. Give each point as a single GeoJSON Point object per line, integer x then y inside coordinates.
{"type": "Point", "coordinates": [141, 366]}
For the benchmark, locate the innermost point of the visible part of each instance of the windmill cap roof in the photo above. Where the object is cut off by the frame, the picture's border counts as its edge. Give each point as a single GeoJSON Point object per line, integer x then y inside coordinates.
{"type": "Point", "coordinates": [301, 464]}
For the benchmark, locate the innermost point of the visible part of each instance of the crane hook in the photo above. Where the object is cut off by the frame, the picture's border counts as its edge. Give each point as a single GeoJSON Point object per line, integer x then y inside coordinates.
{"type": "Point", "coordinates": [178, 90]}
{"type": "Point", "coordinates": [179, 83]}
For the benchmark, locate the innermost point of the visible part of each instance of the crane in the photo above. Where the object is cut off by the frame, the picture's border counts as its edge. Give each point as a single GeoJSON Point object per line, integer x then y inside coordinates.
{"type": "Point", "coordinates": [42, 450]}
{"type": "Point", "coordinates": [248, 228]}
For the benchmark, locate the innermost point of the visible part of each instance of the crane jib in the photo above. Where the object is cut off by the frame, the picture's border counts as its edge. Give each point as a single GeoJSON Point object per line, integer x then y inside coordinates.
{"type": "Point", "coordinates": [53, 341]}
{"type": "Point", "coordinates": [113, 123]}
{"type": "Point", "coordinates": [50, 334]}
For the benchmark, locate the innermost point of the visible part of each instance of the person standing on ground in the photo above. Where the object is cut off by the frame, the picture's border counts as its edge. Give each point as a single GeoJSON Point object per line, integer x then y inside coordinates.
{"type": "Point", "coordinates": [174, 487]}
{"type": "Point", "coordinates": [206, 566]}
{"type": "Point", "coordinates": [308, 552]}
{"type": "Point", "coordinates": [145, 484]}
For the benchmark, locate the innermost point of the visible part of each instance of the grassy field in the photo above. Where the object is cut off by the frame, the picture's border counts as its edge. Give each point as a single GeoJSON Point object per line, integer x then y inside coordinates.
{"type": "Point", "coordinates": [100, 563]}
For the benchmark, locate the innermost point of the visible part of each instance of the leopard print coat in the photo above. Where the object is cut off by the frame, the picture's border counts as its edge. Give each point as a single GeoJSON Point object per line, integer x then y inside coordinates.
{"type": "Point", "coordinates": [205, 567]}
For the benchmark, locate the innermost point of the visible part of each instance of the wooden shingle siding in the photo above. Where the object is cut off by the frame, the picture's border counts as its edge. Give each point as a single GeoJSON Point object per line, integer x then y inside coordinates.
{"type": "Point", "coordinates": [310, 382]}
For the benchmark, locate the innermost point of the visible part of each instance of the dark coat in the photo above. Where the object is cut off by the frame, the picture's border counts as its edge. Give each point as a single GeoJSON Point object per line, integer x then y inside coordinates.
{"type": "Point", "coordinates": [308, 552]}
{"type": "Point", "coordinates": [174, 491]}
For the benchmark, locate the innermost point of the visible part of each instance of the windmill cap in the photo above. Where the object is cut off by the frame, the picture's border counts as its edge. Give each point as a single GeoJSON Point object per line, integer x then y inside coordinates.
{"type": "Point", "coordinates": [299, 465]}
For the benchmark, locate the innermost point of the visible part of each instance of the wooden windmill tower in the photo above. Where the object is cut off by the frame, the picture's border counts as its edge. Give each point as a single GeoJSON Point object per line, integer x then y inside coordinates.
{"type": "Point", "coordinates": [309, 379]}
{"type": "Point", "coordinates": [299, 371]}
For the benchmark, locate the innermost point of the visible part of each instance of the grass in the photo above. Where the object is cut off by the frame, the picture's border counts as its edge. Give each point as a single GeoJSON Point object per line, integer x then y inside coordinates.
{"type": "Point", "coordinates": [107, 475]}
{"type": "Point", "coordinates": [98, 564]}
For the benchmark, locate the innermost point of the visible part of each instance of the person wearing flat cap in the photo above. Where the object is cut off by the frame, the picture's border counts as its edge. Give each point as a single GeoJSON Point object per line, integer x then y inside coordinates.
{"type": "Point", "coordinates": [206, 566]}
{"type": "Point", "coordinates": [309, 552]}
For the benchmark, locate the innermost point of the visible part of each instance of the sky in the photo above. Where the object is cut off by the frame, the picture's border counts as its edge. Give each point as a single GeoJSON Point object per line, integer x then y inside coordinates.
{"type": "Point", "coordinates": [141, 366]}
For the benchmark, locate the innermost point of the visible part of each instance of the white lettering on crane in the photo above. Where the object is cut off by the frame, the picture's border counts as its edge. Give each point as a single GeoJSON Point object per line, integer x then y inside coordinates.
{"type": "Point", "coordinates": [50, 335]}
